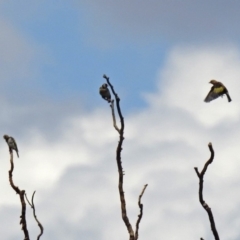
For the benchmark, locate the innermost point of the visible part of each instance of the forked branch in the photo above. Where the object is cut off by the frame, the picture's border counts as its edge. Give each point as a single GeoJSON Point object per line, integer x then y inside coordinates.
{"type": "Point", "coordinates": [125, 218]}
{"type": "Point", "coordinates": [203, 203]}
{"type": "Point", "coordinates": [34, 214]}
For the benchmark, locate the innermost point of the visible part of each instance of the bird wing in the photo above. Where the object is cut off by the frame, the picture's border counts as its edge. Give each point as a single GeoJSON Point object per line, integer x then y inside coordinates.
{"type": "Point", "coordinates": [214, 93]}
{"type": "Point", "coordinates": [108, 94]}
{"type": "Point", "coordinates": [13, 143]}
{"type": "Point", "coordinates": [101, 90]}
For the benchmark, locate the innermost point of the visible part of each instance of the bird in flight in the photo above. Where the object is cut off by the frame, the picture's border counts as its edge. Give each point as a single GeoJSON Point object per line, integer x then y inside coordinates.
{"type": "Point", "coordinates": [217, 90]}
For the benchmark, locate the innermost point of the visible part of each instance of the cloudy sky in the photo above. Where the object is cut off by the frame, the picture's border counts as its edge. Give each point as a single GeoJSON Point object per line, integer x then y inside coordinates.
{"type": "Point", "coordinates": [160, 56]}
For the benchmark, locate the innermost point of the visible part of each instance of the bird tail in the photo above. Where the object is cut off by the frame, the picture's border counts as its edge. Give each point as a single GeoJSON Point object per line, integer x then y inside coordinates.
{"type": "Point", "coordinates": [228, 97]}
{"type": "Point", "coordinates": [17, 154]}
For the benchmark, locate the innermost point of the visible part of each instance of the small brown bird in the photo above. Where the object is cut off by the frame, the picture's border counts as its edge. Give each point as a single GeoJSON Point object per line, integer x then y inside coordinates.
{"type": "Point", "coordinates": [217, 90]}
{"type": "Point", "coordinates": [11, 144]}
{"type": "Point", "coordinates": [105, 93]}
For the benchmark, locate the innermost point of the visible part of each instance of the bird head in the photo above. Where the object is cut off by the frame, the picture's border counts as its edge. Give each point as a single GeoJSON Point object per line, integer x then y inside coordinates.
{"type": "Point", "coordinates": [213, 81]}
{"type": "Point", "coordinates": [6, 137]}
{"type": "Point", "coordinates": [104, 85]}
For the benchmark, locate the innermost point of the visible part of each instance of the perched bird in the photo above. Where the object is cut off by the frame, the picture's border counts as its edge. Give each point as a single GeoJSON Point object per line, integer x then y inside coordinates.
{"type": "Point", "coordinates": [218, 89]}
{"type": "Point", "coordinates": [105, 93]}
{"type": "Point", "coordinates": [11, 143]}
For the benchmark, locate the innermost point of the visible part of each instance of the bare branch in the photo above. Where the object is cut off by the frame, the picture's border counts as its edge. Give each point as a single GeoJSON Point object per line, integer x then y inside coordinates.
{"type": "Point", "coordinates": [34, 214]}
{"type": "Point", "coordinates": [21, 195]}
{"type": "Point", "coordinates": [113, 116]}
{"type": "Point", "coordinates": [141, 211]}
{"type": "Point", "coordinates": [119, 163]}
{"type": "Point", "coordinates": [117, 103]}
{"type": "Point", "coordinates": [203, 203]}
{"type": "Point", "coordinates": [28, 200]}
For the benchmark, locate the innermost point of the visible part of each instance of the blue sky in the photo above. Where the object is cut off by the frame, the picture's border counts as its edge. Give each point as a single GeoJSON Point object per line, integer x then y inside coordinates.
{"type": "Point", "coordinates": [70, 61]}
{"type": "Point", "coordinates": [160, 56]}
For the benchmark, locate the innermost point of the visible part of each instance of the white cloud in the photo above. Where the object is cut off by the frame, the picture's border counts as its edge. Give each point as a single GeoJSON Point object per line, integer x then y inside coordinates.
{"type": "Point", "coordinates": [185, 82]}
{"type": "Point", "coordinates": [76, 175]}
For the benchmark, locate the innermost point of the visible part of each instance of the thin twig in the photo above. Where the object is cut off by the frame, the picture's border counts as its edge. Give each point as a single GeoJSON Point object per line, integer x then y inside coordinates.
{"type": "Point", "coordinates": [28, 200]}
{"type": "Point", "coordinates": [21, 195]}
{"type": "Point", "coordinates": [203, 203]}
{"type": "Point", "coordinates": [113, 116]}
{"type": "Point", "coordinates": [141, 211]}
{"type": "Point", "coordinates": [34, 214]}
{"type": "Point", "coordinates": [119, 163]}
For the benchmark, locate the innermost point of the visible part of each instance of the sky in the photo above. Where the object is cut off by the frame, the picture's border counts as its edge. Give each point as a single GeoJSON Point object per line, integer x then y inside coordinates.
{"type": "Point", "coordinates": [160, 56]}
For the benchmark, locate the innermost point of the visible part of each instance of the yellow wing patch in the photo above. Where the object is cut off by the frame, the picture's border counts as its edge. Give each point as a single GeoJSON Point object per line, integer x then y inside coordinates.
{"type": "Point", "coordinates": [218, 90]}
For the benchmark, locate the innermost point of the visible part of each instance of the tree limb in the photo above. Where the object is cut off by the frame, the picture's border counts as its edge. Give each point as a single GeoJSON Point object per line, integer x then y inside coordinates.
{"type": "Point", "coordinates": [34, 214]}
{"type": "Point", "coordinates": [22, 200]}
{"type": "Point", "coordinates": [201, 200]}
{"type": "Point", "coordinates": [113, 116]}
{"type": "Point", "coordinates": [119, 163]}
{"type": "Point", "coordinates": [141, 211]}
{"type": "Point", "coordinates": [125, 218]}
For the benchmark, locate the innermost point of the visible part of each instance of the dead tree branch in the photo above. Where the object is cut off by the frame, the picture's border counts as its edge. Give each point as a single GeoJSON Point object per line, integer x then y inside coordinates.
{"type": "Point", "coordinates": [34, 214]}
{"type": "Point", "coordinates": [141, 211]}
{"type": "Point", "coordinates": [203, 203]}
{"type": "Point", "coordinates": [22, 200]}
{"type": "Point", "coordinates": [119, 164]}
{"type": "Point", "coordinates": [113, 116]}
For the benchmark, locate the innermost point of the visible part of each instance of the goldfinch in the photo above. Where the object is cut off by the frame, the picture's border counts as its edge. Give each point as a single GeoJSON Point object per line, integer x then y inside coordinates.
{"type": "Point", "coordinates": [217, 90]}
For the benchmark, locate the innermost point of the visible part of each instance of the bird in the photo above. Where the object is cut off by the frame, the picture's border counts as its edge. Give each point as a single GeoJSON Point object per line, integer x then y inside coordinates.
{"type": "Point", "coordinates": [11, 144]}
{"type": "Point", "coordinates": [217, 90]}
{"type": "Point", "coordinates": [105, 93]}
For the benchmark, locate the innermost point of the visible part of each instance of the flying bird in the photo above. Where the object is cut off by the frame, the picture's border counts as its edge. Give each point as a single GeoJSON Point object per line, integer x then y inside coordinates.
{"type": "Point", "coordinates": [105, 93]}
{"type": "Point", "coordinates": [217, 90]}
{"type": "Point", "coordinates": [11, 143]}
